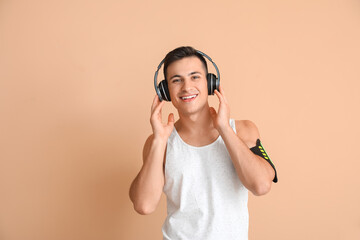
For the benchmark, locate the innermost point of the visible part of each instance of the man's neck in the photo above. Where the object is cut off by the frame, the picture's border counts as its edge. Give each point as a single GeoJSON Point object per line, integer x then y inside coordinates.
{"type": "Point", "coordinates": [195, 123]}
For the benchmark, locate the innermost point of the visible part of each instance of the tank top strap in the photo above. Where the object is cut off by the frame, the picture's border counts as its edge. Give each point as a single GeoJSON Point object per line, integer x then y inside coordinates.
{"type": "Point", "coordinates": [232, 124]}
{"type": "Point", "coordinates": [172, 138]}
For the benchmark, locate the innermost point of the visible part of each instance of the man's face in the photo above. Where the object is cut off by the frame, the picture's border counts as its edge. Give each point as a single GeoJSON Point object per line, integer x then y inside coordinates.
{"type": "Point", "coordinates": [187, 85]}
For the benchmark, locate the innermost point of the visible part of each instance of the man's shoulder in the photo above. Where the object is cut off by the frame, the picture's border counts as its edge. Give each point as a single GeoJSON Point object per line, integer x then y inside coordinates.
{"type": "Point", "coordinates": [247, 131]}
{"type": "Point", "coordinates": [245, 124]}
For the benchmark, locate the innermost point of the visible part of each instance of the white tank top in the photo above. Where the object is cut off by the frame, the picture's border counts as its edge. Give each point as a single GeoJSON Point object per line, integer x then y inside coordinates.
{"type": "Point", "coordinates": [205, 198]}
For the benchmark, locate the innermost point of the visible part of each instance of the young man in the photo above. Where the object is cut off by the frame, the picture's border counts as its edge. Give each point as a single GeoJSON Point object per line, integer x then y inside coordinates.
{"type": "Point", "coordinates": [204, 162]}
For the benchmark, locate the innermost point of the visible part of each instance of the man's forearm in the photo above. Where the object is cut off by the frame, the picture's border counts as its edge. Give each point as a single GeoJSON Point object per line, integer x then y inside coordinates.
{"type": "Point", "coordinates": [146, 189]}
{"type": "Point", "coordinates": [254, 172]}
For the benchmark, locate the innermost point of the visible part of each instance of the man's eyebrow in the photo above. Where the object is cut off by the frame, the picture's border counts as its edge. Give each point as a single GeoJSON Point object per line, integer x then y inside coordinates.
{"type": "Point", "coordinates": [192, 73]}
{"type": "Point", "coordinates": [175, 76]}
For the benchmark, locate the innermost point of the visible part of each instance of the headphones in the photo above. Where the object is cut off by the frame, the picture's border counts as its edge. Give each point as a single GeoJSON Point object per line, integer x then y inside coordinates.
{"type": "Point", "coordinates": [162, 89]}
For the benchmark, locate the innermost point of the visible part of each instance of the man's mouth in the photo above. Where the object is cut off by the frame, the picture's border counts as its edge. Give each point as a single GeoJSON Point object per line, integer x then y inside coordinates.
{"type": "Point", "coordinates": [189, 98]}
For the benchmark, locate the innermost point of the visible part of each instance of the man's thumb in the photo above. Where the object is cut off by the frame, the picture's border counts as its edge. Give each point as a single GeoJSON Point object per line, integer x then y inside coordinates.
{"type": "Point", "coordinates": [171, 119]}
{"type": "Point", "coordinates": [212, 112]}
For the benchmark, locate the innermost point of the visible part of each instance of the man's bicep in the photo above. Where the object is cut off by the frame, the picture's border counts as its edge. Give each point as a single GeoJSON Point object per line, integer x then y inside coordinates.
{"type": "Point", "coordinates": [253, 136]}
{"type": "Point", "coordinates": [259, 150]}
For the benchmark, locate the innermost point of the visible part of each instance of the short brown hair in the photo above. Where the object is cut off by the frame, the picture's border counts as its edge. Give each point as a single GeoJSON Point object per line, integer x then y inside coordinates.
{"type": "Point", "coordinates": [180, 53]}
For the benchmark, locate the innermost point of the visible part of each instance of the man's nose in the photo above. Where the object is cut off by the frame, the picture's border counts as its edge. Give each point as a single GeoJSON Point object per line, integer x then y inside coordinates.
{"type": "Point", "coordinates": [187, 84]}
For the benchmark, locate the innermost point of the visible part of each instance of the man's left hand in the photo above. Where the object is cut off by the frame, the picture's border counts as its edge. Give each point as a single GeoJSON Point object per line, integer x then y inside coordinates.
{"type": "Point", "coordinates": [222, 117]}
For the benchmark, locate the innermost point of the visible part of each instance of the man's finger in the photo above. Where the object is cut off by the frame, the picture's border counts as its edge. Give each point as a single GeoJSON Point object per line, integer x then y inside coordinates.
{"type": "Point", "coordinates": [218, 94]}
{"type": "Point", "coordinates": [158, 108]}
{"type": "Point", "coordinates": [222, 93]}
{"type": "Point", "coordinates": [154, 102]}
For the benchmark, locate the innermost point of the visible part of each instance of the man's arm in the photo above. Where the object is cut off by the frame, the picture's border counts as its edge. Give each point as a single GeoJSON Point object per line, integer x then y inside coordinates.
{"type": "Point", "coordinates": [253, 171]}
{"type": "Point", "coordinates": [146, 189]}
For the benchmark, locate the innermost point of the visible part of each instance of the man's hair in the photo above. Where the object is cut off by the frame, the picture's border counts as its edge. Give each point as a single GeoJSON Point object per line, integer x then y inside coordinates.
{"type": "Point", "coordinates": [180, 53]}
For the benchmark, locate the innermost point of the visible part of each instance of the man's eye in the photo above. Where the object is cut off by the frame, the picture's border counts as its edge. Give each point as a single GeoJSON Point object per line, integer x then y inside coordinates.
{"type": "Point", "coordinates": [195, 77]}
{"type": "Point", "coordinates": [175, 80]}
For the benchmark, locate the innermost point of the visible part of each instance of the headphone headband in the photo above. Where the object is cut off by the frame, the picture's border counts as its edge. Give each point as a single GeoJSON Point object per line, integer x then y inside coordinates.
{"type": "Point", "coordinates": [161, 63]}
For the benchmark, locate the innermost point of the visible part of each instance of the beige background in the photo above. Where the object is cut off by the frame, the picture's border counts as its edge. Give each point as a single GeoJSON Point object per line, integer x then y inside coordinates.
{"type": "Point", "coordinates": [76, 86]}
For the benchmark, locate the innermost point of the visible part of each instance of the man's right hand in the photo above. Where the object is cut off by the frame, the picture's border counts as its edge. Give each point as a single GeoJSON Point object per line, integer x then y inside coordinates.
{"type": "Point", "coordinates": [160, 130]}
{"type": "Point", "coordinates": [146, 189]}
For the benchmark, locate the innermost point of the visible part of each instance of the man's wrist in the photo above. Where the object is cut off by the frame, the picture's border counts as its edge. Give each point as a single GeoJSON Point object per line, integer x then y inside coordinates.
{"type": "Point", "coordinates": [160, 140]}
{"type": "Point", "coordinates": [225, 129]}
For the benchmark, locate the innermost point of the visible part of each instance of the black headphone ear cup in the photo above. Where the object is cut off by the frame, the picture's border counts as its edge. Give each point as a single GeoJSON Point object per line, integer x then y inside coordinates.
{"type": "Point", "coordinates": [212, 83]}
{"type": "Point", "coordinates": [164, 90]}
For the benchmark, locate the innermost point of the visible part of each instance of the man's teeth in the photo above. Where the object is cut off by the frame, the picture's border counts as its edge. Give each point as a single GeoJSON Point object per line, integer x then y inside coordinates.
{"type": "Point", "coordinates": [192, 96]}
